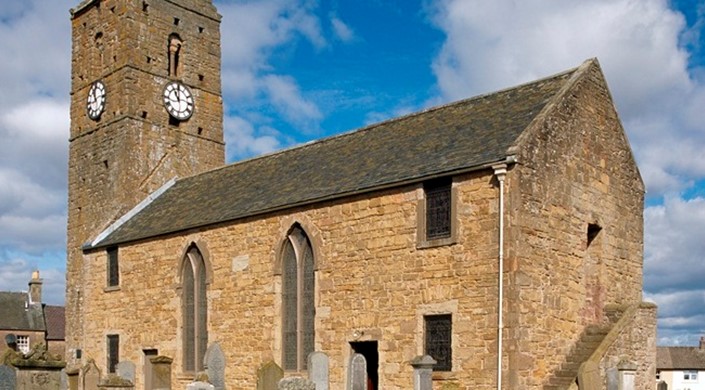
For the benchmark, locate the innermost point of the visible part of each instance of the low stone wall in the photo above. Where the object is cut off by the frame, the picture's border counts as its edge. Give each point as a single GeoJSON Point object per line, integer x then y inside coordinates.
{"type": "Point", "coordinates": [628, 352]}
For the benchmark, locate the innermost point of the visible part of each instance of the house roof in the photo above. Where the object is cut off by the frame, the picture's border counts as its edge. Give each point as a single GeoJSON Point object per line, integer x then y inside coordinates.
{"type": "Point", "coordinates": [680, 358]}
{"type": "Point", "coordinates": [55, 322]}
{"type": "Point", "coordinates": [16, 313]}
{"type": "Point", "coordinates": [457, 137]}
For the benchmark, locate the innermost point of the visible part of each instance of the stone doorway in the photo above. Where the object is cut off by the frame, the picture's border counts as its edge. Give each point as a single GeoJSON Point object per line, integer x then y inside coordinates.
{"type": "Point", "coordinates": [368, 349]}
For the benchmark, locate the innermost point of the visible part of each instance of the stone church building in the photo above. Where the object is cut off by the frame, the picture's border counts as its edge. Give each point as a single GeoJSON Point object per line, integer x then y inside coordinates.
{"type": "Point", "coordinates": [501, 235]}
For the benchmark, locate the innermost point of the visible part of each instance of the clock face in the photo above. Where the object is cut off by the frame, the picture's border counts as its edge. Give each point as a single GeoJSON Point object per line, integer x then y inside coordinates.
{"type": "Point", "coordinates": [96, 100]}
{"type": "Point", "coordinates": [178, 100]}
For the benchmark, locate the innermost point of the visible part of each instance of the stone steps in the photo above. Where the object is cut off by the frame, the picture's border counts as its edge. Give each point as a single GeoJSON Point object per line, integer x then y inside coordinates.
{"type": "Point", "coordinates": [564, 377]}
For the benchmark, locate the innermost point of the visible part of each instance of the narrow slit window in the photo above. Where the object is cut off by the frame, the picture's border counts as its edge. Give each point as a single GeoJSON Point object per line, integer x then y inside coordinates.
{"type": "Point", "coordinates": [113, 352]}
{"type": "Point", "coordinates": [438, 208]}
{"type": "Point", "coordinates": [113, 267]}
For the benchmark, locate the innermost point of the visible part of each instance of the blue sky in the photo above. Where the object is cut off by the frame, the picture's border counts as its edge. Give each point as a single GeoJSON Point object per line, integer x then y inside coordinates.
{"type": "Point", "coordinates": [297, 70]}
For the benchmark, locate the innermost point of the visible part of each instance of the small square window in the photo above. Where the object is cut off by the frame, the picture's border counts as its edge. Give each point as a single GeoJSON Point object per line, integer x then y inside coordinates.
{"type": "Point", "coordinates": [23, 344]}
{"type": "Point", "coordinates": [438, 340]}
{"type": "Point", "coordinates": [113, 352]}
{"type": "Point", "coordinates": [113, 268]}
{"type": "Point", "coordinates": [690, 375]}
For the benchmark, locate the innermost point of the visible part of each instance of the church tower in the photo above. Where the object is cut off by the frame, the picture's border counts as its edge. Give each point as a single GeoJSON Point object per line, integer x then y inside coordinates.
{"type": "Point", "coordinates": [146, 107]}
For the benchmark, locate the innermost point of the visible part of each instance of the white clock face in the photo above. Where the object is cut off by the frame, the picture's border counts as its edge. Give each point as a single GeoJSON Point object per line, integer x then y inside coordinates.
{"type": "Point", "coordinates": [96, 100]}
{"type": "Point", "coordinates": [178, 100]}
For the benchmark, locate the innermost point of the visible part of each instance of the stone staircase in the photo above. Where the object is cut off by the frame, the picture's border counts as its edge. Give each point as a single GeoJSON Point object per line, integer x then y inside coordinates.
{"type": "Point", "coordinates": [565, 377]}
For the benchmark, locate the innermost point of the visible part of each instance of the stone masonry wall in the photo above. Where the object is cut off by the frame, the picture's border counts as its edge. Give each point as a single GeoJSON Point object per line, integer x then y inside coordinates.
{"type": "Point", "coordinates": [133, 149]}
{"type": "Point", "coordinates": [371, 280]}
{"type": "Point", "coordinates": [576, 169]}
{"type": "Point", "coordinates": [636, 344]}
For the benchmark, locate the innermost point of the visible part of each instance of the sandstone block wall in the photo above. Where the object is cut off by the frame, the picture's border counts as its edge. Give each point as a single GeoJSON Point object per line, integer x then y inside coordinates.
{"type": "Point", "coordinates": [575, 170]}
{"type": "Point", "coordinates": [372, 283]}
{"type": "Point", "coordinates": [134, 149]}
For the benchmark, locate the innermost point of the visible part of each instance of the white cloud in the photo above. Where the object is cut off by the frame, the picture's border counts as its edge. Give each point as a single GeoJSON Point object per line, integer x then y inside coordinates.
{"type": "Point", "coordinates": [674, 267]}
{"type": "Point", "coordinates": [242, 140]}
{"type": "Point", "coordinates": [255, 30]}
{"type": "Point", "coordinates": [284, 93]}
{"type": "Point", "coordinates": [342, 30]}
{"type": "Point", "coordinates": [15, 273]}
{"type": "Point", "coordinates": [492, 45]}
{"type": "Point", "coordinates": [674, 245]}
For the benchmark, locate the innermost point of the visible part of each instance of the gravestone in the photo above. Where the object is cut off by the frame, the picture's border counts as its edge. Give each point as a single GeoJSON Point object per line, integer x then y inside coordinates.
{"type": "Point", "coordinates": [91, 376]}
{"type": "Point", "coordinates": [318, 368]}
{"type": "Point", "coordinates": [214, 362]}
{"type": "Point", "coordinates": [72, 379]}
{"type": "Point", "coordinates": [357, 375]}
{"type": "Point", "coordinates": [8, 378]}
{"type": "Point", "coordinates": [64, 384]}
{"type": "Point", "coordinates": [161, 372]}
{"type": "Point", "coordinates": [423, 371]}
{"type": "Point", "coordinates": [296, 384]}
{"type": "Point", "coordinates": [662, 386]}
{"type": "Point", "coordinates": [268, 376]}
{"type": "Point", "coordinates": [627, 375]}
{"type": "Point", "coordinates": [200, 386]}
{"type": "Point", "coordinates": [126, 370]}
{"type": "Point", "coordinates": [612, 379]}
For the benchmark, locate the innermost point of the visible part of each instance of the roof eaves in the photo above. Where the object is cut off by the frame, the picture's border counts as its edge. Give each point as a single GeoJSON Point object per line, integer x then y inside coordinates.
{"type": "Point", "coordinates": [509, 159]}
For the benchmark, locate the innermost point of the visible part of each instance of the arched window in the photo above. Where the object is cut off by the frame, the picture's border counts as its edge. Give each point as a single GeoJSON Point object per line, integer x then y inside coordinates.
{"type": "Point", "coordinates": [298, 306]}
{"type": "Point", "coordinates": [195, 308]}
{"type": "Point", "coordinates": [174, 51]}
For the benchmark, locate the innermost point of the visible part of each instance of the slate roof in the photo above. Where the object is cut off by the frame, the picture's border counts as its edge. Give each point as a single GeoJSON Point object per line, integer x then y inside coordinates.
{"type": "Point", "coordinates": [55, 322]}
{"type": "Point", "coordinates": [457, 137]}
{"type": "Point", "coordinates": [17, 314]}
{"type": "Point", "coordinates": [680, 358]}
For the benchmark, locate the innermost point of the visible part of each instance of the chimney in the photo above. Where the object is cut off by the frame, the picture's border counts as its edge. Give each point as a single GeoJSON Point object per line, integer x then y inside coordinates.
{"type": "Point", "coordinates": [702, 342]}
{"type": "Point", "coordinates": [35, 288]}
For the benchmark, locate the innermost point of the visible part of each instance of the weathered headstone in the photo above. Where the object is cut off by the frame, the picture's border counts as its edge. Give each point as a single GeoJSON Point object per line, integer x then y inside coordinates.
{"type": "Point", "coordinates": [72, 378]}
{"type": "Point", "coordinates": [161, 372]}
{"type": "Point", "coordinates": [200, 386]}
{"type": "Point", "coordinates": [423, 372]}
{"type": "Point", "coordinates": [8, 378]}
{"type": "Point", "coordinates": [64, 384]}
{"type": "Point", "coordinates": [589, 376]}
{"type": "Point", "coordinates": [126, 370]}
{"type": "Point", "coordinates": [318, 370]}
{"type": "Point", "coordinates": [612, 379]}
{"type": "Point", "coordinates": [295, 383]}
{"type": "Point", "coordinates": [357, 375]}
{"type": "Point", "coordinates": [268, 376]}
{"type": "Point", "coordinates": [627, 375]}
{"type": "Point", "coordinates": [214, 361]}
{"type": "Point", "coordinates": [91, 376]}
